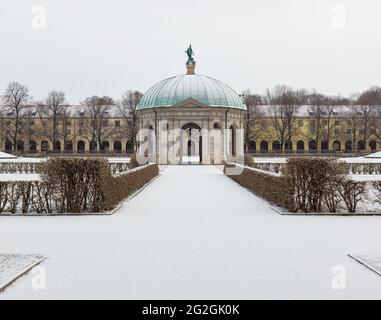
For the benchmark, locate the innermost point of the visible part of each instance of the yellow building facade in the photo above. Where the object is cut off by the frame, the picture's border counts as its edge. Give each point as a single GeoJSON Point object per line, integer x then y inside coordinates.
{"type": "Point", "coordinates": [340, 133]}
{"type": "Point", "coordinates": [73, 137]}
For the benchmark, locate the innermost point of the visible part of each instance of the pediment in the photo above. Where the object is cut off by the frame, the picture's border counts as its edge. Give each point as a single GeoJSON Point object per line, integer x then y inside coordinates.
{"type": "Point", "coordinates": [190, 103]}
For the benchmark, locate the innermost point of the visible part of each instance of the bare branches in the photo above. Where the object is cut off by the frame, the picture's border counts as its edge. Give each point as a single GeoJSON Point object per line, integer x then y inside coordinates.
{"type": "Point", "coordinates": [95, 123]}
{"type": "Point", "coordinates": [285, 102]}
{"type": "Point", "coordinates": [367, 104]}
{"type": "Point", "coordinates": [15, 98]}
{"type": "Point", "coordinates": [322, 109]}
{"type": "Point", "coordinates": [253, 123]}
{"type": "Point", "coordinates": [127, 108]}
{"type": "Point", "coordinates": [50, 114]}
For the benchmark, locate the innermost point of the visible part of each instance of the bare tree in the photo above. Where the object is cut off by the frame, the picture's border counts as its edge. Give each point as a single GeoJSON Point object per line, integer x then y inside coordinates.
{"type": "Point", "coordinates": [50, 113]}
{"type": "Point", "coordinates": [127, 108]}
{"type": "Point", "coordinates": [285, 102]}
{"type": "Point", "coordinates": [330, 112]}
{"type": "Point", "coordinates": [316, 102]}
{"type": "Point", "coordinates": [367, 104]}
{"type": "Point", "coordinates": [95, 121]}
{"type": "Point", "coordinates": [323, 110]}
{"type": "Point", "coordinates": [28, 126]}
{"type": "Point", "coordinates": [253, 123]}
{"type": "Point", "coordinates": [354, 124]}
{"type": "Point", "coordinates": [67, 133]}
{"type": "Point", "coordinates": [15, 99]}
{"type": "Point", "coordinates": [376, 125]}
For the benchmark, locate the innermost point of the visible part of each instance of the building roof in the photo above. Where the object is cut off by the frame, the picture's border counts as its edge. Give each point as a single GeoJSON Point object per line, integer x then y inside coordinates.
{"type": "Point", "coordinates": [204, 89]}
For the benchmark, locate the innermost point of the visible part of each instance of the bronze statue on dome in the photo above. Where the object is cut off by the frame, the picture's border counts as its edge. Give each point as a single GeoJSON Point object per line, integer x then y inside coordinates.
{"type": "Point", "coordinates": [190, 52]}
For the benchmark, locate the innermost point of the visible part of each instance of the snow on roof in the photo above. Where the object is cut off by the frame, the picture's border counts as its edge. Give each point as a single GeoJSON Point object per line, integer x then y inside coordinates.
{"type": "Point", "coordinates": [4, 155]}
{"type": "Point", "coordinates": [74, 110]}
{"type": "Point", "coordinates": [376, 155]}
{"type": "Point", "coordinates": [283, 160]}
{"type": "Point", "coordinates": [308, 110]}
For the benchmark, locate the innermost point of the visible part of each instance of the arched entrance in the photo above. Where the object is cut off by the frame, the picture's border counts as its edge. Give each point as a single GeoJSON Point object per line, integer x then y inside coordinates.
{"type": "Point", "coordinates": [191, 144]}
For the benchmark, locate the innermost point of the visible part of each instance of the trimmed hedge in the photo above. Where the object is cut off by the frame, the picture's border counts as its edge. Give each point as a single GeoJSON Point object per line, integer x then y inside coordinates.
{"type": "Point", "coordinates": [272, 188]}
{"type": "Point", "coordinates": [115, 189]}
{"type": "Point", "coordinates": [73, 185]}
{"type": "Point", "coordinates": [248, 161]}
{"type": "Point", "coordinates": [311, 179]}
{"type": "Point", "coordinates": [307, 185]}
{"type": "Point", "coordinates": [82, 185]}
{"type": "Point", "coordinates": [377, 186]}
{"type": "Point", "coordinates": [354, 168]}
{"type": "Point", "coordinates": [20, 167]}
{"type": "Point", "coordinates": [17, 196]}
{"type": "Point", "coordinates": [133, 162]}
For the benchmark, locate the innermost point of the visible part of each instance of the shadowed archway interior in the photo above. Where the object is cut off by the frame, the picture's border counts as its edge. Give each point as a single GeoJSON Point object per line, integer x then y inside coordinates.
{"type": "Point", "coordinates": [191, 136]}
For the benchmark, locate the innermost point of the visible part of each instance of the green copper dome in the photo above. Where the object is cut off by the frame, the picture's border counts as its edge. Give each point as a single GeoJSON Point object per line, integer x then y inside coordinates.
{"type": "Point", "coordinates": [201, 88]}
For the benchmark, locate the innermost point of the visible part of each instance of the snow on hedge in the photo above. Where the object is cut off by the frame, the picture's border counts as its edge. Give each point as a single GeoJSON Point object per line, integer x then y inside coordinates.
{"type": "Point", "coordinates": [118, 159]}
{"type": "Point", "coordinates": [19, 177]}
{"type": "Point", "coordinates": [281, 160]}
{"type": "Point", "coordinates": [365, 177]}
{"type": "Point", "coordinates": [23, 160]}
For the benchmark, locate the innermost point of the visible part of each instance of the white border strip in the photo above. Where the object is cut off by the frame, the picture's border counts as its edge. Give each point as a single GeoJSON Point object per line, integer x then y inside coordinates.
{"type": "Point", "coordinates": [364, 263]}
{"type": "Point", "coordinates": [20, 274]}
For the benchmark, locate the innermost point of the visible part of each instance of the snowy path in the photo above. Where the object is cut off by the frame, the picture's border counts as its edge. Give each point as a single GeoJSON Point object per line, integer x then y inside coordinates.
{"type": "Point", "coordinates": [194, 233]}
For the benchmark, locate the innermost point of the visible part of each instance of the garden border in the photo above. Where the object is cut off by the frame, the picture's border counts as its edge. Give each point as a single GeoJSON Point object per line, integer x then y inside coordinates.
{"type": "Point", "coordinates": [321, 214]}
{"type": "Point", "coordinates": [365, 264]}
{"type": "Point", "coordinates": [21, 273]}
{"type": "Point", "coordinates": [284, 212]}
{"type": "Point", "coordinates": [104, 213]}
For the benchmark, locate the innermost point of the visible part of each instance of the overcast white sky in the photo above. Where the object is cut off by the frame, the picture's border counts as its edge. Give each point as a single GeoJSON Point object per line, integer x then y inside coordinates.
{"type": "Point", "coordinates": [107, 47]}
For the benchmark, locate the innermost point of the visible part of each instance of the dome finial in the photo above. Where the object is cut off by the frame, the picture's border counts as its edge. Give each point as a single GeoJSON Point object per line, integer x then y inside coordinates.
{"type": "Point", "coordinates": [191, 64]}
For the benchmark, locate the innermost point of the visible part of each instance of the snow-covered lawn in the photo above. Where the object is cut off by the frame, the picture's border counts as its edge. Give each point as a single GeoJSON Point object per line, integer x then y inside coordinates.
{"type": "Point", "coordinates": [358, 160]}
{"type": "Point", "coordinates": [194, 233]}
{"type": "Point", "coordinates": [118, 159]}
{"type": "Point", "coordinates": [369, 261]}
{"type": "Point", "coordinates": [19, 177]}
{"type": "Point", "coordinates": [4, 155]}
{"type": "Point", "coordinates": [13, 266]}
{"type": "Point", "coordinates": [365, 177]}
{"type": "Point", "coordinates": [23, 160]}
{"type": "Point", "coordinates": [15, 159]}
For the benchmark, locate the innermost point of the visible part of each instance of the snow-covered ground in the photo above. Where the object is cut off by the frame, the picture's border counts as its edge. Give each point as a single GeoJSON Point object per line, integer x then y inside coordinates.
{"type": "Point", "coordinates": [23, 160]}
{"type": "Point", "coordinates": [39, 160]}
{"type": "Point", "coordinates": [118, 159]}
{"type": "Point", "coordinates": [365, 177]}
{"type": "Point", "coordinates": [194, 233]}
{"type": "Point", "coordinates": [4, 155]}
{"type": "Point", "coordinates": [374, 155]}
{"type": "Point", "coordinates": [14, 265]}
{"type": "Point", "coordinates": [372, 262]}
{"type": "Point", "coordinates": [19, 177]}
{"type": "Point", "coordinates": [359, 160]}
